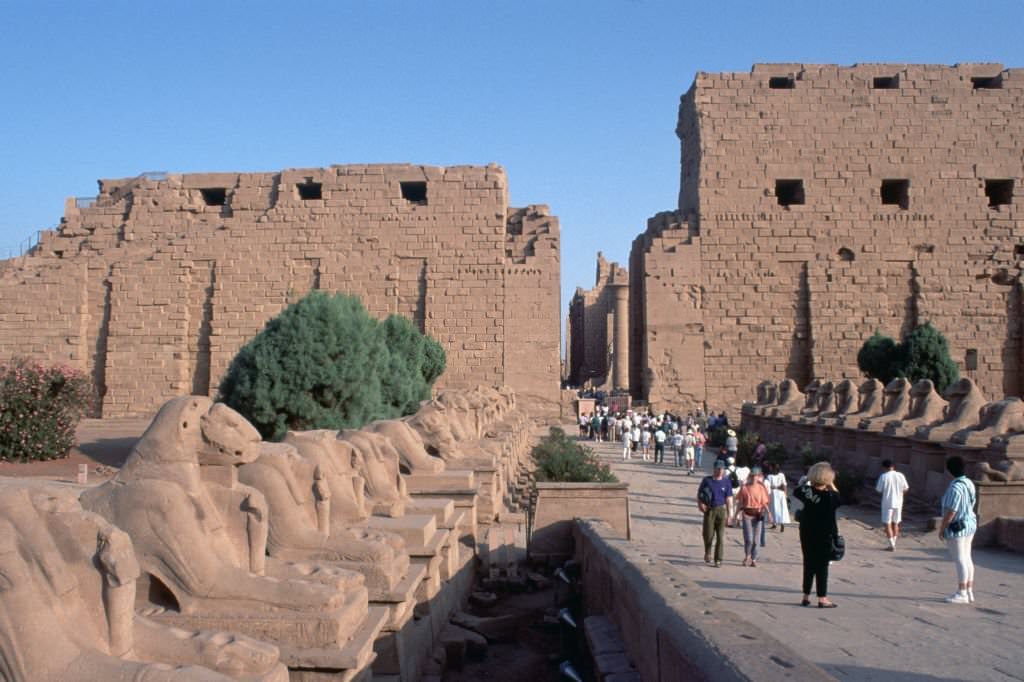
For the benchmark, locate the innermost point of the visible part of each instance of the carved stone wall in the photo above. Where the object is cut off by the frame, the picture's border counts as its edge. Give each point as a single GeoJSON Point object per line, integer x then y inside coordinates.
{"type": "Point", "coordinates": [820, 203]}
{"type": "Point", "coordinates": [590, 333]}
{"type": "Point", "coordinates": [156, 284]}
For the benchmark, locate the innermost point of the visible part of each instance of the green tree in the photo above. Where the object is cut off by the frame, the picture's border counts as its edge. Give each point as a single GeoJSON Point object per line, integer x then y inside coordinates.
{"type": "Point", "coordinates": [404, 385]}
{"type": "Point", "coordinates": [881, 358]}
{"type": "Point", "coordinates": [325, 363]}
{"type": "Point", "coordinates": [927, 357]}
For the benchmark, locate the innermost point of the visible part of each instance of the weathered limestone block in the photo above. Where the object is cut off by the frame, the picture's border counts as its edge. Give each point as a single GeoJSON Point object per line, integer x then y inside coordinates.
{"type": "Point", "coordinates": [762, 397]}
{"type": "Point", "coordinates": [962, 412]}
{"type": "Point", "coordinates": [810, 407]}
{"type": "Point", "coordinates": [300, 521]}
{"type": "Point", "coordinates": [1003, 472]}
{"type": "Point", "coordinates": [790, 401]}
{"type": "Point", "coordinates": [927, 408]}
{"type": "Point", "coordinates": [414, 456]}
{"type": "Point", "coordinates": [997, 419]}
{"type": "Point", "coordinates": [844, 401]}
{"type": "Point", "coordinates": [201, 539]}
{"type": "Point", "coordinates": [67, 607]}
{"type": "Point", "coordinates": [896, 404]}
{"type": "Point", "coordinates": [869, 400]}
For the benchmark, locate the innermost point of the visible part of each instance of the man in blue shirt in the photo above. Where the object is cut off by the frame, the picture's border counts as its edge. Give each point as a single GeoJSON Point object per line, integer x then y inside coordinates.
{"type": "Point", "coordinates": [712, 494]}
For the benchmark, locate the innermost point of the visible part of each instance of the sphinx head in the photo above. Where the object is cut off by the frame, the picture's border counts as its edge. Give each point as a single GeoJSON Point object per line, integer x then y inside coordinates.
{"type": "Point", "coordinates": [228, 437]}
{"type": "Point", "coordinates": [432, 424]}
{"type": "Point", "coordinates": [922, 388]}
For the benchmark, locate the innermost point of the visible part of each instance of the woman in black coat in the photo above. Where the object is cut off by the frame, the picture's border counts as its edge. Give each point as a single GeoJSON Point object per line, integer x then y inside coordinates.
{"type": "Point", "coordinates": [817, 528]}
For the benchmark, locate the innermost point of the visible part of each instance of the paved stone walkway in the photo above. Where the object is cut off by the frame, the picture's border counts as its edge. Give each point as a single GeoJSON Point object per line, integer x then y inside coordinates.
{"type": "Point", "coordinates": [892, 622]}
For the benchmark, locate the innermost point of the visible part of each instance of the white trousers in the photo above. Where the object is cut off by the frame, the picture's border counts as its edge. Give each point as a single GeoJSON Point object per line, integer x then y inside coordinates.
{"type": "Point", "coordinates": [960, 550]}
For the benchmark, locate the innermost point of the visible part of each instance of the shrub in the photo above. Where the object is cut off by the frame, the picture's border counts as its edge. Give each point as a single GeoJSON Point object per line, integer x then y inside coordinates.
{"type": "Point", "coordinates": [776, 454]}
{"type": "Point", "coordinates": [924, 354]}
{"type": "Point", "coordinates": [849, 484]}
{"type": "Point", "coordinates": [414, 361]}
{"type": "Point", "coordinates": [807, 456]}
{"type": "Point", "coordinates": [40, 406]}
{"type": "Point", "coordinates": [561, 459]}
{"type": "Point", "coordinates": [928, 358]}
{"type": "Point", "coordinates": [325, 363]}
{"type": "Point", "coordinates": [746, 442]}
{"type": "Point", "coordinates": [881, 358]}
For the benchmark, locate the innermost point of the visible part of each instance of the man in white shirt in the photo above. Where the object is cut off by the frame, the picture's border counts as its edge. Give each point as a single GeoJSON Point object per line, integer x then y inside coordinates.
{"type": "Point", "coordinates": [892, 484]}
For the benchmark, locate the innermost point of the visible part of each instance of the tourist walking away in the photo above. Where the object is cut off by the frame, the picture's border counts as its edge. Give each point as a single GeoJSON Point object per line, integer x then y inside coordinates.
{"type": "Point", "coordinates": [818, 529]}
{"type": "Point", "coordinates": [698, 447]}
{"type": "Point", "coordinates": [584, 425]}
{"type": "Point", "coordinates": [732, 444]}
{"type": "Point", "coordinates": [595, 428]}
{"type": "Point", "coordinates": [689, 444]}
{"type": "Point", "coordinates": [892, 484]}
{"type": "Point", "coordinates": [779, 507]}
{"type": "Point", "coordinates": [959, 523]}
{"type": "Point", "coordinates": [645, 442]}
{"type": "Point", "coordinates": [659, 445]}
{"type": "Point", "coordinates": [677, 447]}
{"type": "Point", "coordinates": [735, 481]}
{"type": "Point", "coordinates": [627, 444]}
{"type": "Point", "coordinates": [752, 507]}
{"type": "Point", "coordinates": [634, 436]}
{"type": "Point", "coordinates": [712, 494]}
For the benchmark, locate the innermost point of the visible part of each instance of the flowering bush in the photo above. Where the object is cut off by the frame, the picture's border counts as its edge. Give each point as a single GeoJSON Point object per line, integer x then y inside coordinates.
{"type": "Point", "coordinates": [40, 406]}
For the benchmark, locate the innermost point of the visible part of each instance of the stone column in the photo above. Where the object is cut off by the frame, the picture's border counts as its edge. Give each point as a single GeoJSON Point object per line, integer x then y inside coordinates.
{"type": "Point", "coordinates": [620, 360]}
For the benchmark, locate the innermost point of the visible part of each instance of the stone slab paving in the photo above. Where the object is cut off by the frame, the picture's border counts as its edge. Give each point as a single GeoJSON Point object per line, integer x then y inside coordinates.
{"type": "Point", "coordinates": [892, 622]}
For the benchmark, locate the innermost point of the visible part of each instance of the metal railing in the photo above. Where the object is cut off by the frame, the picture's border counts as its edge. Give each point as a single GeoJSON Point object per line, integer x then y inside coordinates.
{"type": "Point", "coordinates": [25, 246]}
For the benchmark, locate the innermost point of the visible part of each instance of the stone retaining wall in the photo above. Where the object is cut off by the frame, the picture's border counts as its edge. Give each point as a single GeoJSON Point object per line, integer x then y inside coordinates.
{"type": "Point", "coordinates": [672, 629]}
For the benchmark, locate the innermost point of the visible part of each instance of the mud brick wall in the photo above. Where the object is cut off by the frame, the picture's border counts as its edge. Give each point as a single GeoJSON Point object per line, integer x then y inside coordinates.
{"type": "Point", "coordinates": [897, 166]}
{"type": "Point", "coordinates": [591, 315]}
{"type": "Point", "coordinates": [155, 285]}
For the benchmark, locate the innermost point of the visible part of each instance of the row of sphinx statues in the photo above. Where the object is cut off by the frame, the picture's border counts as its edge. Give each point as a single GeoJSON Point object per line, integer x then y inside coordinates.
{"type": "Point", "coordinates": [961, 416]}
{"type": "Point", "coordinates": [213, 555]}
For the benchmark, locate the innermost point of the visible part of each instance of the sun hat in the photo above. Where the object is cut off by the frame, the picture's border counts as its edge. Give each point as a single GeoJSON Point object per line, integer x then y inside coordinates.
{"type": "Point", "coordinates": [730, 460]}
{"type": "Point", "coordinates": [731, 432]}
{"type": "Point", "coordinates": [719, 464]}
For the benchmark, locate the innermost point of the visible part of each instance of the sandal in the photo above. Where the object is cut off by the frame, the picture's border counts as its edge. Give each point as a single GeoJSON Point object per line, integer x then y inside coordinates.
{"type": "Point", "coordinates": [753, 563]}
{"type": "Point", "coordinates": [805, 602]}
{"type": "Point", "coordinates": [827, 605]}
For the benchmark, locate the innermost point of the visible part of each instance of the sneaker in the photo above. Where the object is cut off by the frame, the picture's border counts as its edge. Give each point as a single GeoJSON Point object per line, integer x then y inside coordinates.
{"type": "Point", "coordinates": [970, 596]}
{"type": "Point", "coordinates": [958, 598]}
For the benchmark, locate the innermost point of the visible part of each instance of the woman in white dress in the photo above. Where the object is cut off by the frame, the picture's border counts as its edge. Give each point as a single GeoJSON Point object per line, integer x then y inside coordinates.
{"type": "Point", "coordinates": [776, 482]}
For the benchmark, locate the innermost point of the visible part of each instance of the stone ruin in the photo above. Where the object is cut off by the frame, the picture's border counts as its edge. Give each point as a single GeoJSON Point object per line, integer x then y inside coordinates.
{"type": "Point", "coordinates": [152, 286]}
{"type": "Point", "coordinates": [212, 555]}
{"type": "Point", "coordinates": [810, 213]}
{"type": "Point", "coordinates": [917, 429]}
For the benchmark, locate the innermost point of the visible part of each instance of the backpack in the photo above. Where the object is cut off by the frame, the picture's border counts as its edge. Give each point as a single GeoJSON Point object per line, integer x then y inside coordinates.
{"type": "Point", "coordinates": [734, 479]}
{"type": "Point", "coordinates": [704, 492]}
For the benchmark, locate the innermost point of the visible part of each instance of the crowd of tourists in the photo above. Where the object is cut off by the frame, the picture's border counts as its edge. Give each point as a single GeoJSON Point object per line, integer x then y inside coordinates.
{"type": "Point", "coordinates": [747, 497]}
{"type": "Point", "coordinates": [649, 436]}
{"type": "Point", "coordinates": [754, 495]}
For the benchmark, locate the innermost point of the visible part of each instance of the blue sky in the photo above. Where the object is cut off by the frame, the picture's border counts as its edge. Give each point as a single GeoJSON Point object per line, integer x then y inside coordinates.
{"type": "Point", "coordinates": [577, 100]}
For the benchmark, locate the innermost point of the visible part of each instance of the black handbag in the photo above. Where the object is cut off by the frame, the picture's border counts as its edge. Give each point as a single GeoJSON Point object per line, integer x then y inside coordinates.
{"type": "Point", "coordinates": [838, 547]}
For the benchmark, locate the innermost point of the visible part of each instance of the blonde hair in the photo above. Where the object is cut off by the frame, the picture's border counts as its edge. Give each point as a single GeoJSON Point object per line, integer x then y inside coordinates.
{"type": "Point", "coordinates": [822, 475]}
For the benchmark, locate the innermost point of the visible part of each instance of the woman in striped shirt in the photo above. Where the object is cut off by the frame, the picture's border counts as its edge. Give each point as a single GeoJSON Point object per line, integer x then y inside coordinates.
{"type": "Point", "coordinates": [958, 526]}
